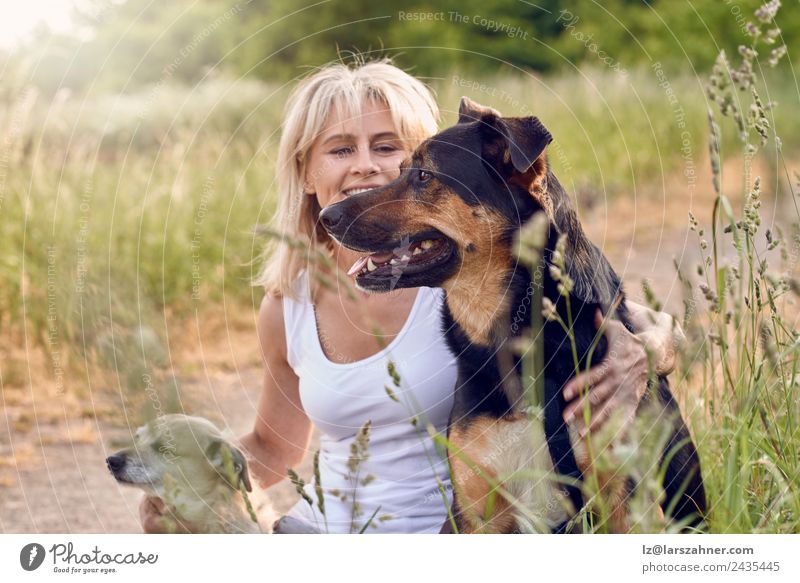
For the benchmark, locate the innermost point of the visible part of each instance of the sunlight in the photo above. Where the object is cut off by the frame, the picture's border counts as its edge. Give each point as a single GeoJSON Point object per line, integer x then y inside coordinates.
{"type": "Point", "coordinates": [19, 19]}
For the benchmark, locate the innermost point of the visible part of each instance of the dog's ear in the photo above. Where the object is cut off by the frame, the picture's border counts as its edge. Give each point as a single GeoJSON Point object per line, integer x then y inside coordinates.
{"type": "Point", "coordinates": [230, 463]}
{"type": "Point", "coordinates": [523, 139]}
{"type": "Point", "coordinates": [526, 139]}
{"type": "Point", "coordinates": [514, 147]}
{"type": "Point", "coordinates": [469, 111]}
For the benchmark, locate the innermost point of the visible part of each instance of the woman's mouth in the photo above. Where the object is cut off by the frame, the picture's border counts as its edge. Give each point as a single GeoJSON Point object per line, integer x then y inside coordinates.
{"type": "Point", "coordinates": [359, 189]}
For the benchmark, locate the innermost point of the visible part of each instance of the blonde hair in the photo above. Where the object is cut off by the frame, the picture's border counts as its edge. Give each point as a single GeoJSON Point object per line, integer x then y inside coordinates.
{"type": "Point", "coordinates": [343, 88]}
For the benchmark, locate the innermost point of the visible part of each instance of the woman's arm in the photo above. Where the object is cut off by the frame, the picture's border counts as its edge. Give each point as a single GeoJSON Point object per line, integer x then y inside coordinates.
{"type": "Point", "coordinates": [282, 430]}
{"type": "Point", "coordinates": [620, 380]}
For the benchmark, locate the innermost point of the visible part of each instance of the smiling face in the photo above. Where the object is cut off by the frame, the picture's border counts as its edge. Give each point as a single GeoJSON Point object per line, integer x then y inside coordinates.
{"type": "Point", "coordinates": [353, 154]}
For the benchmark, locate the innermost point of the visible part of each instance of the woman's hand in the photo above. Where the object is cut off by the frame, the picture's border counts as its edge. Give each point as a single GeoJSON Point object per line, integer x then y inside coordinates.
{"type": "Point", "coordinates": [156, 518]}
{"type": "Point", "coordinates": [617, 383]}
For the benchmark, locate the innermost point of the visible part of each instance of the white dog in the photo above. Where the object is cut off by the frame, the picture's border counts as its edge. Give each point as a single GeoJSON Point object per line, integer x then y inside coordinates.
{"type": "Point", "coordinates": [201, 477]}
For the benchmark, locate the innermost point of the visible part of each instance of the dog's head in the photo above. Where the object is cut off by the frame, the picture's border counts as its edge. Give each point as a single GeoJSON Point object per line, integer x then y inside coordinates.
{"type": "Point", "coordinates": [178, 451]}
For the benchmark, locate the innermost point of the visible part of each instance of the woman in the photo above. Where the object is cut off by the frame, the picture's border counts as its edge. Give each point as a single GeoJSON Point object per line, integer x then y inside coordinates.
{"type": "Point", "coordinates": [326, 352]}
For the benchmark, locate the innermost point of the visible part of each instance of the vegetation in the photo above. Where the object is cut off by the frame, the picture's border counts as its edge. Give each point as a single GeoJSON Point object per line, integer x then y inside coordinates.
{"type": "Point", "coordinates": [125, 45]}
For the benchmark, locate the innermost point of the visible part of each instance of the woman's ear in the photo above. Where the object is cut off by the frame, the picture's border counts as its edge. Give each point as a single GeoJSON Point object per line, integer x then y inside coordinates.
{"type": "Point", "coordinates": [309, 187]}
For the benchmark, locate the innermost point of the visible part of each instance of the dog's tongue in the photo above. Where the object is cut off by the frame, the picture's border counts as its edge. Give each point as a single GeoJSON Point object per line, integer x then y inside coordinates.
{"type": "Point", "coordinates": [362, 261]}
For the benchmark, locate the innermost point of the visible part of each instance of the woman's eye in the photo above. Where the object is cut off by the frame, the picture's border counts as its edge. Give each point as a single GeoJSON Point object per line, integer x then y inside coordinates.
{"type": "Point", "coordinates": [424, 176]}
{"type": "Point", "coordinates": [342, 151]}
{"type": "Point", "coordinates": [386, 148]}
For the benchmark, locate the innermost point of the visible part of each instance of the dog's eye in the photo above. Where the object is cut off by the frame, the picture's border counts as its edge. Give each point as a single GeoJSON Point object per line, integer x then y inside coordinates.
{"type": "Point", "coordinates": [424, 176]}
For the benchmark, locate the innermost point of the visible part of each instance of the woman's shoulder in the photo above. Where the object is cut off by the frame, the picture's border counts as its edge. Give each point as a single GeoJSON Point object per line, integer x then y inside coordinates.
{"type": "Point", "coordinates": [270, 317]}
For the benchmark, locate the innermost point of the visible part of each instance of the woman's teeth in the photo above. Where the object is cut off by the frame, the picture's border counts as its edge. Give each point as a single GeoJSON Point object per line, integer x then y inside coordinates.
{"type": "Point", "coordinates": [352, 191]}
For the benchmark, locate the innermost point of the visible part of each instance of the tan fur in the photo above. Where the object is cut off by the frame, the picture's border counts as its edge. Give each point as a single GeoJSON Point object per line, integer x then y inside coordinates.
{"type": "Point", "coordinates": [475, 294]}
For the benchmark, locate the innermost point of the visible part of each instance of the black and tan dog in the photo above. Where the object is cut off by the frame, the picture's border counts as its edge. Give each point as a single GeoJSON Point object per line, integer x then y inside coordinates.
{"type": "Point", "coordinates": [450, 221]}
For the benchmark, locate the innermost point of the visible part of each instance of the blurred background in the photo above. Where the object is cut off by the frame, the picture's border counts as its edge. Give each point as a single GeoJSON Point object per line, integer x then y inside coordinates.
{"type": "Point", "coordinates": [137, 147]}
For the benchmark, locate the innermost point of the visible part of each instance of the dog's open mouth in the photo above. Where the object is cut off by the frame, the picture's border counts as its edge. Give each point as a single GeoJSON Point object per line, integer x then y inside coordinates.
{"type": "Point", "coordinates": [407, 257]}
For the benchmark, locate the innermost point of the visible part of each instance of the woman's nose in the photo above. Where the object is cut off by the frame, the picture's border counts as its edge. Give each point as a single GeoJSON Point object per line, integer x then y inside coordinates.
{"type": "Point", "coordinates": [365, 163]}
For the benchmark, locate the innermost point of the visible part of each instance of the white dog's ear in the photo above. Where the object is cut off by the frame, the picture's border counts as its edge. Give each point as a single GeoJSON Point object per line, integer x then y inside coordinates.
{"type": "Point", "coordinates": [229, 463]}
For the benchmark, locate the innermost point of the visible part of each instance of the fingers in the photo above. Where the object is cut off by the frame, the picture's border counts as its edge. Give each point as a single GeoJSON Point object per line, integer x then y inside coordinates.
{"type": "Point", "coordinates": [600, 371]}
{"type": "Point", "coordinates": [151, 512]}
{"type": "Point", "coordinates": [593, 397]}
{"type": "Point", "coordinates": [599, 418]}
{"type": "Point", "coordinates": [589, 378]}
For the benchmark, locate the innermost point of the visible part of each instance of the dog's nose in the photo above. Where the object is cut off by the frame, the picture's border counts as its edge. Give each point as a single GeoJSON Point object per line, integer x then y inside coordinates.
{"type": "Point", "coordinates": [331, 217]}
{"type": "Point", "coordinates": [115, 462]}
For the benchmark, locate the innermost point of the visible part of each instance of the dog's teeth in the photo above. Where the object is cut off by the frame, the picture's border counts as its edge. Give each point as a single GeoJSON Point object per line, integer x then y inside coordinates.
{"type": "Point", "coordinates": [426, 244]}
{"type": "Point", "coordinates": [370, 265]}
{"type": "Point", "coordinates": [417, 251]}
{"type": "Point", "coordinates": [393, 261]}
{"type": "Point", "coordinates": [405, 257]}
{"type": "Point", "coordinates": [358, 266]}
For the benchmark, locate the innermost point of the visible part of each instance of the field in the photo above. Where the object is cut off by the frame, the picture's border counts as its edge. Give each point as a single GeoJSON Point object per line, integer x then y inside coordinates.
{"type": "Point", "coordinates": [129, 245]}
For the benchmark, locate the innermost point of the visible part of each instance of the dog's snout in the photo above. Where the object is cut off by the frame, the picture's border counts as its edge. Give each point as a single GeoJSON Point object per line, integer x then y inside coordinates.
{"type": "Point", "coordinates": [115, 462]}
{"type": "Point", "coordinates": [331, 217]}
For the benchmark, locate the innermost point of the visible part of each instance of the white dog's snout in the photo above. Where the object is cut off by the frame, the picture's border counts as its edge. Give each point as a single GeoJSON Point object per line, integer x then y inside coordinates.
{"type": "Point", "coordinates": [116, 462]}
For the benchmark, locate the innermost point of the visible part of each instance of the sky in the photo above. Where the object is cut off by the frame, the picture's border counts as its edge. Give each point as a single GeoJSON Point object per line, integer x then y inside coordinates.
{"type": "Point", "coordinates": [19, 17]}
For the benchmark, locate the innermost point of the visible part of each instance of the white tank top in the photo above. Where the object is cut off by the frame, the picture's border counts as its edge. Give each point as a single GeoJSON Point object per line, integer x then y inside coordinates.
{"type": "Point", "coordinates": [397, 485]}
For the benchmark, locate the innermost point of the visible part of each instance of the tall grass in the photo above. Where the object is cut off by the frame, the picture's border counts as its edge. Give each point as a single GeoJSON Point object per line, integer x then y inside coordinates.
{"type": "Point", "coordinates": [742, 318]}
{"type": "Point", "coordinates": [123, 215]}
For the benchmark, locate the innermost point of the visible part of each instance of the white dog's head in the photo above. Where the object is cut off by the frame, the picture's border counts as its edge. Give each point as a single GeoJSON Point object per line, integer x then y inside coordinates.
{"type": "Point", "coordinates": [186, 462]}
